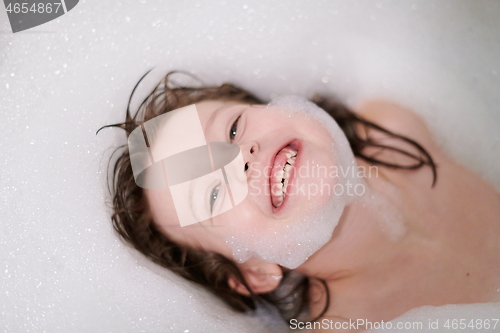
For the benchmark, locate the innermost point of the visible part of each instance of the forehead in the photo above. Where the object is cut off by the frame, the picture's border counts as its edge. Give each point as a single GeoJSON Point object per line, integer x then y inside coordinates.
{"type": "Point", "coordinates": [179, 130]}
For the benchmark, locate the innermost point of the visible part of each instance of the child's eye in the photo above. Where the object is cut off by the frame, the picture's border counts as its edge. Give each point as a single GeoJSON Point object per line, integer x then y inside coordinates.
{"type": "Point", "coordinates": [232, 132]}
{"type": "Point", "coordinates": [213, 197]}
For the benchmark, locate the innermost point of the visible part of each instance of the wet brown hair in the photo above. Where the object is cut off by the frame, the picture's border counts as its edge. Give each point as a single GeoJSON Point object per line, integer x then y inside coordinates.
{"type": "Point", "coordinates": [132, 219]}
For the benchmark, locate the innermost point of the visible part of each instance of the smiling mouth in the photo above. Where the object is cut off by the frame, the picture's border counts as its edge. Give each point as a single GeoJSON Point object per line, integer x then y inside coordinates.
{"type": "Point", "coordinates": [281, 174]}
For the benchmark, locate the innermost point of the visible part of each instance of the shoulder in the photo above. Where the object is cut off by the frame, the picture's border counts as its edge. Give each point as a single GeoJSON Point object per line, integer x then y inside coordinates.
{"type": "Point", "coordinates": [397, 119]}
{"type": "Point", "coordinates": [402, 121]}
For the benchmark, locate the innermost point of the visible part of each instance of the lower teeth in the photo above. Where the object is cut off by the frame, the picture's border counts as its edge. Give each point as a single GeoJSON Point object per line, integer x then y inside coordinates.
{"type": "Point", "coordinates": [283, 193]}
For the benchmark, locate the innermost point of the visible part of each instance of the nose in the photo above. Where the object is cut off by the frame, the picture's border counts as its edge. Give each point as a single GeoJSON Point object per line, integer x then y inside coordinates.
{"type": "Point", "coordinates": [249, 151]}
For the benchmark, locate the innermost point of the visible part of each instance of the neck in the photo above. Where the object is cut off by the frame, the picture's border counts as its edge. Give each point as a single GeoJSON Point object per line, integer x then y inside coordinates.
{"type": "Point", "coordinates": [371, 233]}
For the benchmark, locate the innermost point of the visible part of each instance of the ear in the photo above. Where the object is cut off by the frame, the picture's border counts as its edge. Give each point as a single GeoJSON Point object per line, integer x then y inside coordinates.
{"type": "Point", "coordinates": [261, 277]}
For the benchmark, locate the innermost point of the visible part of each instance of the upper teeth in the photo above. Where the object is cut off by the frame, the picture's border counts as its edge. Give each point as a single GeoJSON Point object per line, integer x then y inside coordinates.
{"type": "Point", "coordinates": [282, 176]}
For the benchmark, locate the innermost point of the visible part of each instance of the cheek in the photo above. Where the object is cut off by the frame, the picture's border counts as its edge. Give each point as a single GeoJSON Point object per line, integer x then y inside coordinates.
{"type": "Point", "coordinates": [270, 120]}
{"type": "Point", "coordinates": [245, 217]}
{"type": "Point", "coordinates": [315, 132]}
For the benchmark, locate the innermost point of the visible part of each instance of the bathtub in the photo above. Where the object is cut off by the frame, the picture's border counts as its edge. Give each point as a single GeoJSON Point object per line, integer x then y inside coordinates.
{"type": "Point", "coordinates": [63, 268]}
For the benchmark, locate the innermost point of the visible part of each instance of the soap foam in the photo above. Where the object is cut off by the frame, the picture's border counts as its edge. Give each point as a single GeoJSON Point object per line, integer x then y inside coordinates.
{"type": "Point", "coordinates": [292, 244]}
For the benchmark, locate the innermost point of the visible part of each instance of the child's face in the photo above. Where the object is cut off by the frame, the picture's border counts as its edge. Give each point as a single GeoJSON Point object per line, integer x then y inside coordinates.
{"type": "Point", "coordinates": [261, 132]}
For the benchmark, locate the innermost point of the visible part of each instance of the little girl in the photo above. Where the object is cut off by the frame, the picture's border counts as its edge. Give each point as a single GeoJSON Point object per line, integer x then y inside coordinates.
{"type": "Point", "coordinates": [425, 232]}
